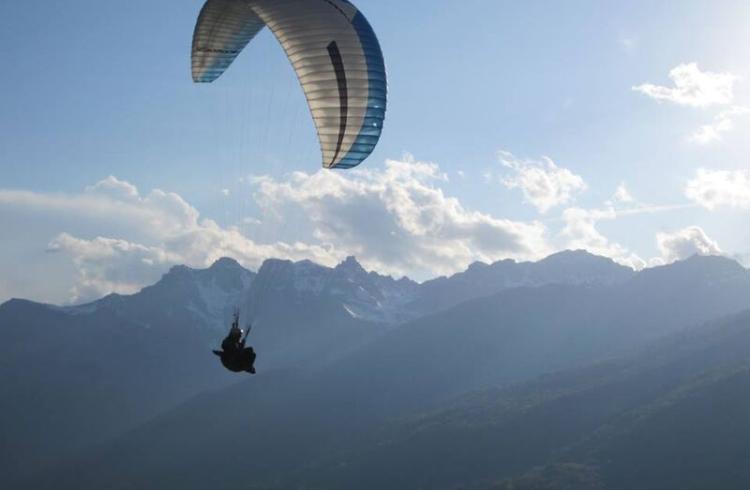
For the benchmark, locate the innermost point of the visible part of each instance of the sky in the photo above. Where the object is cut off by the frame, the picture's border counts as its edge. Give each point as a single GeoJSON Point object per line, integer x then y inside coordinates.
{"type": "Point", "coordinates": [514, 130]}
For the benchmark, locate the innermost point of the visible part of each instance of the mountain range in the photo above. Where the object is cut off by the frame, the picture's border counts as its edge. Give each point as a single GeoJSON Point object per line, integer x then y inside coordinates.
{"type": "Point", "coordinates": [507, 375]}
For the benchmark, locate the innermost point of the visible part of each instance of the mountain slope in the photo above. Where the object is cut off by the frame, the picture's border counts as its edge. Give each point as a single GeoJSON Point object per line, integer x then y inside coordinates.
{"type": "Point", "coordinates": [568, 267]}
{"type": "Point", "coordinates": [306, 314]}
{"type": "Point", "coordinates": [333, 426]}
{"type": "Point", "coordinates": [672, 416]}
{"type": "Point", "coordinates": [112, 364]}
{"type": "Point", "coordinates": [74, 376]}
{"type": "Point", "coordinates": [343, 370]}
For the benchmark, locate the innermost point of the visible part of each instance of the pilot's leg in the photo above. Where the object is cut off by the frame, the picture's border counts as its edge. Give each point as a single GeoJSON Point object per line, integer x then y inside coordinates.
{"type": "Point", "coordinates": [250, 353]}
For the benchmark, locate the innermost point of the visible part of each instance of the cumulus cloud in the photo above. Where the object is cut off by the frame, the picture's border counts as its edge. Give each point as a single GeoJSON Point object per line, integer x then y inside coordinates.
{"type": "Point", "coordinates": [622, 194]}
{"type": "Point", "coordinates": [580, 232]}
{"type": "Point", "coordinates": [120, 240]}
{"type": "Point", "coordinates": [107, 264]}
{"type": "Point", "coordinates": [115, 188]}
{"type": "Point", "coordinates": [720, 188]}
{"type": "Point", "coordinates": [581, 227]}
{"type": "Point", "coordinates": [722, 123]}
{"type": "Point", "coordinates": [396, 220]}
{"type": "Point", "coordinates": [399, 220]}
{"type": "Point", "coordinates": [693, 87]}
{"type": "Point", "coordinates": [696, 88]}
{"type": "Point", "coordinates": [544, 184]}
{"type": "Point", "coordinates": [681, 244]}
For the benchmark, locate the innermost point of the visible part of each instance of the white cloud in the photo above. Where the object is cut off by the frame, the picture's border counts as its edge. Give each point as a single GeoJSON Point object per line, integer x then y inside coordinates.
{"type": "Point", "coordinates": [684, 243]}
{"type": "Point", "coordinates": [119, 240]}
{"type": "Point", "coordinates": [106, 264]}
{"type": "Point", "coordinates": [720, 188]}
{"type": "Point", "coordinates": [722, 123]}
{"type": "Point", "coordinates": [693, 87]}
{"type": "Point", "coordinates": [544, 184]}
{"type": "Point", "coordinates": [249, 220]}
{"type": "Point", "coordinates": [225, 192]}
{"type": "Point", "coordinates": [580, 232]}
{"type": "Point", "coordinates": [622, 195]}
{"type": "Point", "coordinates": [115, 188]}
{"type": "Point", "coordinates": [398, 220]}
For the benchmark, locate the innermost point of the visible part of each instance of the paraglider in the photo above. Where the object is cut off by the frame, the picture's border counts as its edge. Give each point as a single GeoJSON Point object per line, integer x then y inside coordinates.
{"type": "Point", "coordinates": [234, 355]}
{"type": "Point", "coordinates": [333, 50]}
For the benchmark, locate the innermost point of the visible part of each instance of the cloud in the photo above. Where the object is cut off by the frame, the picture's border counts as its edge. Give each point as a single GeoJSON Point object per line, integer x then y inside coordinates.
{"type": "Point", "coordinates": [684, 243]}
{"type": "Point", "coordinates": [119, 240]}
{"type": "Point", "coordinates": [544, 184]}
{"type": "Point", "coordinates": [622, 195]}
{"type": "Point", "coordinates": [249, 220]}
{"type": "Point", "coordinates": [396, 220]}
{"type": "Point", "coordinates": [115, 188]}
{"type": "Point", "coordinates": [106, 264]}
{"type": "Point", "coordinates": [722, 123]}
{"type": "Point", "coordinates": [580, 232]}
{"type": "Point", "coordinates": [693, 87]}
{"type": "Point", "coordinates": [399, 220]}
{"type": "Point", "coordinates": [720, 188]}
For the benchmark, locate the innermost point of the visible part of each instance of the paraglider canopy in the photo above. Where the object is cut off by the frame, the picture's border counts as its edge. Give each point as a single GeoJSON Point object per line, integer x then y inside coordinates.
{"type": "Point", "coordinates": [335, 54]}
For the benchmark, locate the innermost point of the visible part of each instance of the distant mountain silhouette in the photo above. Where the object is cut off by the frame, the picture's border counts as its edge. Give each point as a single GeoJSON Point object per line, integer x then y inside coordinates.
{"type": "Point", "coordinates": [110, 365]}
{"type": "Point", "coordinates": [306, 313]}
{"type": "Point", "coordinates": [455, 399]}
{"type": "Point", "coordinates": [76, 376]}
{"type": "Point", "coordinates": [568, 267]}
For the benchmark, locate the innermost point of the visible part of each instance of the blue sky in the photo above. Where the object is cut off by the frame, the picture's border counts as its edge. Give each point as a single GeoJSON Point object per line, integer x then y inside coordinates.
{"type": "Point", "coordinates": [95, 90]}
